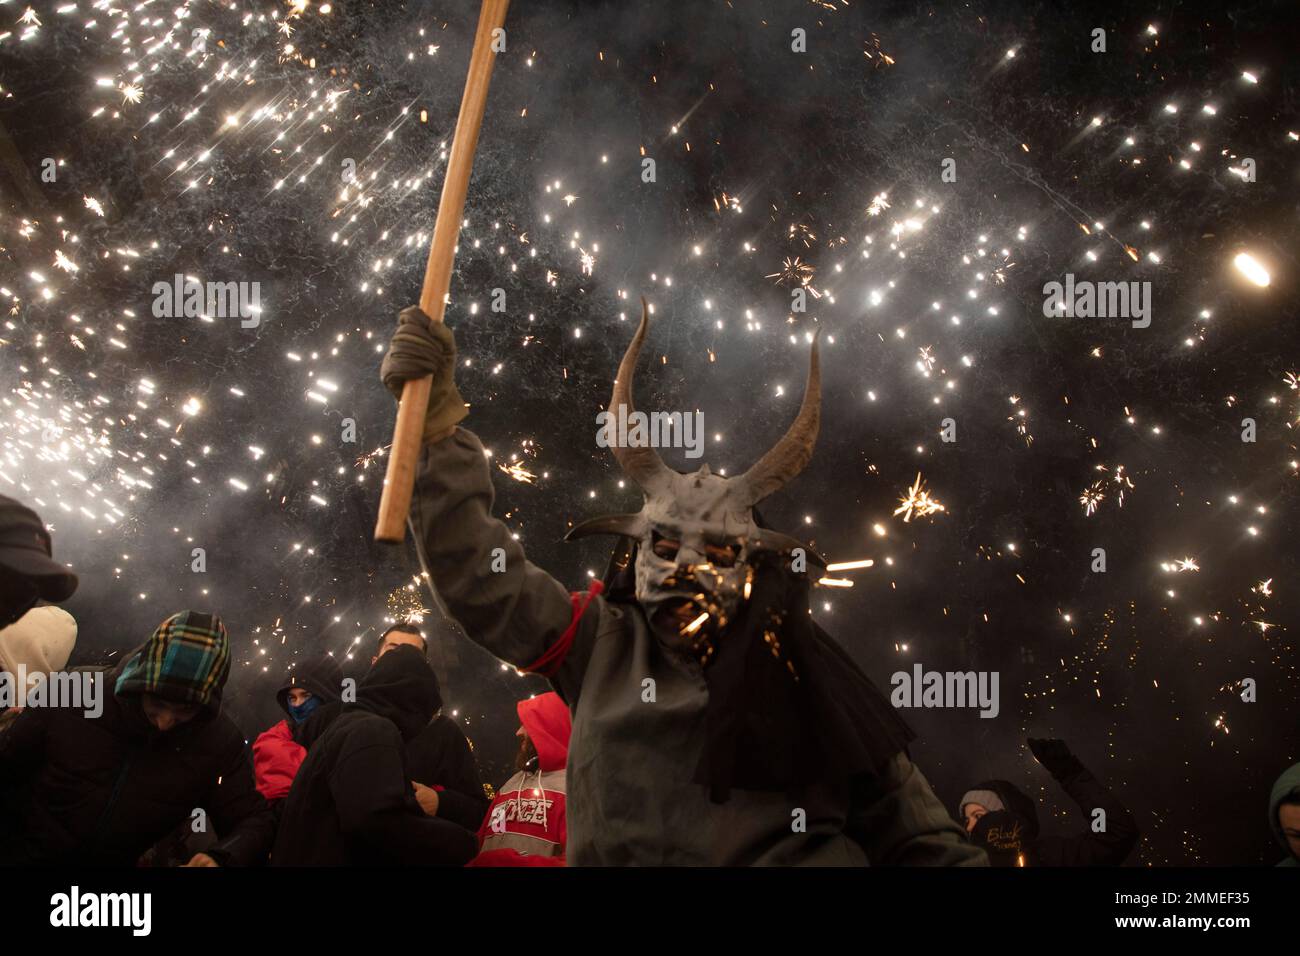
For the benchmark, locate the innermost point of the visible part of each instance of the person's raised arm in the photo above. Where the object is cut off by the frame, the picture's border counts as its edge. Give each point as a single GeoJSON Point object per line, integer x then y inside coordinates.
{"type": "Point", "coordinates": [1110, 836]}
{"type": "Point", "coordinates": [478, 570]}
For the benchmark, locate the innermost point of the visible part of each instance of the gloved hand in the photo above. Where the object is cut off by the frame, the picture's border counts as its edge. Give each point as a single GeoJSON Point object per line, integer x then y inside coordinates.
{"type": "Point", "coordinates": [1055, 757]}
{"type": "Point", "coordinates": [1004, 837]}
{"type": "Point", "coordinates": [423, 347]}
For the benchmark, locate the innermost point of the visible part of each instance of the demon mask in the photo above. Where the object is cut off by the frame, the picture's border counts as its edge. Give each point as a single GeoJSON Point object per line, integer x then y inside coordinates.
{"type": "Point", "coordinates": [696, 533]}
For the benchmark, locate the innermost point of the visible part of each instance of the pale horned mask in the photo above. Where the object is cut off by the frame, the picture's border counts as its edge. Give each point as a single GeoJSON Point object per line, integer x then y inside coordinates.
{"type": "Point", "coordinates": [696, 532]}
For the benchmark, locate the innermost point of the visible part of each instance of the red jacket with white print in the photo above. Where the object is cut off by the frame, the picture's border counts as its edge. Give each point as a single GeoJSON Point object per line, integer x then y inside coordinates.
{"type": "Point", "coordinates": [525, 824]}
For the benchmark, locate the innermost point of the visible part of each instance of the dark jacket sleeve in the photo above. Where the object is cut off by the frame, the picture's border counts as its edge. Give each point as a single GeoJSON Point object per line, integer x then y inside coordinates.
{"type": "Point", "coordinates": [479, 573]}
{"type": "Point", "coordinates": [242, 816]}
{"type": "Point", "coordinates": [376, 808]}
{"type": "Point", "coordinates": [22, 745]}
{"type": "Point", "coordinates": [22, 751]}
{"type": "Point", "coordinates": [448, 762]}
{"type": "Point", "coordinates": [1108, 848]}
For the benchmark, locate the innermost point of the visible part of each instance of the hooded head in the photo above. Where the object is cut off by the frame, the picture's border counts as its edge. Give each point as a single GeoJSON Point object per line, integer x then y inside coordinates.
{"type": "Point", "coordinates": [28, 573]}
{"type": "Point", "coordinates": [40, 641]}
{"type": "Point", "coordinates": [402, 687]}
{"type": "Point", "coordinates": [998, 796]}
{"type": "Point", "coordinates": [320, 677]}
{"type": "Point", "coordinates": [1284, 813]}
{"type": "Point", "coordinates": [696, 533]}
{"type": "Point", "coordinates": [545, 719]}
{"type": "Point", "coordinates": [184, 663]}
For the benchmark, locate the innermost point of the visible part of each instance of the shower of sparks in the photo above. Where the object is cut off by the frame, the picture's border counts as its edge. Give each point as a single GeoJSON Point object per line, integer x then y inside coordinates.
{"type": "Point", "coordinates": [406, 603]}
{"type": "Point", "coordinates": [926, 362]}
{"type": "Point", "coordinates": [1121, 484]}
{"type": "Point", "coordinates": [917, 502]}
{"type": "Point", "coordinates": [1095, 494]}
{"type": "Point", "coordinates": [875, 54]}
{"type": "Point", "coordinates": [802, 233]}
{"type": "Point", "coordinates": [725, 201]}
{"type": "Point", "coordinates": [793, 272]}
{"type": "Point", "coordinates": [99, 413]}
{"type": "Point", "coordinates": [1020, 419]}
{"type": "Point", "coordinates": [518, 472]}
{"type": "Point", "coordinates": [363, 461]}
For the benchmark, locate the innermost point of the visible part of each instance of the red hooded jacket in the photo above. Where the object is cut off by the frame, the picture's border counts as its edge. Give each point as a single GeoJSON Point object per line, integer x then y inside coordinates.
{"type": "Point", "coordinates": [276, 759]}
{"type": "Point", "coordinates": [525, 824]}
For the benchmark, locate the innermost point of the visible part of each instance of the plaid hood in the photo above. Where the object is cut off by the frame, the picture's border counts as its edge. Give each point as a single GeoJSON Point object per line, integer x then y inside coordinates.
{"type": "Point", "coordinates": [186, 661]}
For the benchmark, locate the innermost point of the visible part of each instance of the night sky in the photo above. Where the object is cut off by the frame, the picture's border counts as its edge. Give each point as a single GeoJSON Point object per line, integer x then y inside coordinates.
{"type": "Point", "coordinates": [1162, 160]}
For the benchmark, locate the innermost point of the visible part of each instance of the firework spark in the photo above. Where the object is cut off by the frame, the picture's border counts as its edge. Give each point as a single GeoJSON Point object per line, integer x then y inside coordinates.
{"type": "Point", "coordinates": [917, 502]}
{"type": "Point", "coordinates": [518, 472]}
{"type": "Point", "coordinates": [793, 272]}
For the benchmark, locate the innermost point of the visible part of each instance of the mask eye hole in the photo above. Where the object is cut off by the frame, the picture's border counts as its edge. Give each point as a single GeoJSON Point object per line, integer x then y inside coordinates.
{"type": "Point", "coordinates": [665, 548]}
{"type": "Point", "coordinates": [722, 555]}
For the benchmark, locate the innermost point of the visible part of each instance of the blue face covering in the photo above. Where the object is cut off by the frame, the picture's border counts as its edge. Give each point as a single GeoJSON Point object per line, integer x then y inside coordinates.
{"type": "Point", "coordinates": [301, 712]}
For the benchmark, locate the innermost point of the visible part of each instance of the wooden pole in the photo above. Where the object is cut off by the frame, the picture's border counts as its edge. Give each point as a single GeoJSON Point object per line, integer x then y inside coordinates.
{"type": "Point", "coordinates": [395, 501]}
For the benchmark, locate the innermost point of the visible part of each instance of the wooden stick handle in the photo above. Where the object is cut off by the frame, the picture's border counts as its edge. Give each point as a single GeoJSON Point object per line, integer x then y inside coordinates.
{"type": "Point", "coordinates": [399, 482]}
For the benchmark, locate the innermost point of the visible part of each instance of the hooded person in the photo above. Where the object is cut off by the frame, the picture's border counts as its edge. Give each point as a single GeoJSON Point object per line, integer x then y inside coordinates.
{"type": "Point", "coordinates": [276, 755]}
{"type": "Point", "coordinates": [440, 759]}
{"type": "Point", "coordinates": [525, 825]}
{"type": "Point", "coordinates": [28, 571]}
{"type": "Point", "coordinates": [1284, 814]}
{"type": "Point", "coordinates": [1003, 820]}
{"type": "Point", "coordinates": [351, 802]}
{"type": "Point", "coordinates": [713, 722]}
{"type": "Point", "coordinates": [150, 751]}
{"type": "Point", "coordinates": [38, 643]}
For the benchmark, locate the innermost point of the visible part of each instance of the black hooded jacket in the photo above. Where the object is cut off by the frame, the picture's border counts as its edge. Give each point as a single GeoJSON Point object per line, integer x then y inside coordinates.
{"type": "Point", "coordinates": [352, 802]}
{"type": "Point", "coordinates": [440, 756]}
{"type": "Point", "coordinates": [320, 676]}
{"type": "Point", "coordinates": [1010, 833]}
{"type": "Point", "coordinates": [100, 791]}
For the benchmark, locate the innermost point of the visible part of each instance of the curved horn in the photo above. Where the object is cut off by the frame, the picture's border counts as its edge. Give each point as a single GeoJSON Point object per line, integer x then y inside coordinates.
{"type": "Point", "coordinates": [627, 525]}
{"type": "Point", "coordinates": [789, 456]}
{"type": "Point", "coordinates": [643, 464]}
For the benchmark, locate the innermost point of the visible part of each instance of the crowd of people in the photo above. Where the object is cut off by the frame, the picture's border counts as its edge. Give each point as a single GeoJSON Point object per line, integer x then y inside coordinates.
{"type": "Point", "coordinates": [699, 716]}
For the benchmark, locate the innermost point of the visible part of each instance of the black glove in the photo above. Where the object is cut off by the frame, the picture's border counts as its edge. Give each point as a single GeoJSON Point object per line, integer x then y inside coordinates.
{"type": "Point", "coordinates": [1055, 757]}
{"type": "Point", "coordinates": [423, 347]}
{"type": "Point", "coordinates": [1004, 836]}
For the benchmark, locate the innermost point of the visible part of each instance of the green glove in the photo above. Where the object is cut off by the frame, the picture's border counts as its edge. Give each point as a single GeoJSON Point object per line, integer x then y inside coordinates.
{"type": "Point", "coordinates": [423, 347]}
